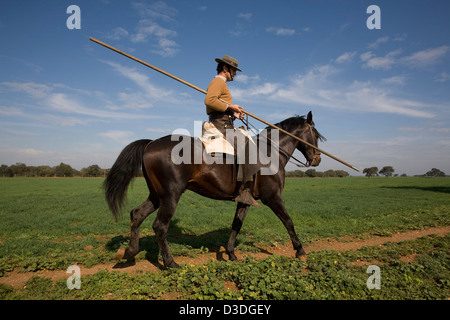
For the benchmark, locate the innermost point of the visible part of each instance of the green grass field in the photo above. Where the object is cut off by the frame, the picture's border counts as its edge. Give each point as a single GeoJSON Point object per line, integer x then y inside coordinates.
{"type": "Point", "coordinates": [47, 223]}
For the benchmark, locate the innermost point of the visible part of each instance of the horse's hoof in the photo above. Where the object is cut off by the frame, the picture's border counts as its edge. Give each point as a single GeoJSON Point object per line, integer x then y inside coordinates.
{"type": "Point", "coordinates": [300, 253]}
{"type": "Point", "coordinates": [171, 265]}
{"type": "Point", "coordinates": [120, 254]}
{"type": "Point", "coordinates": [232, 257]}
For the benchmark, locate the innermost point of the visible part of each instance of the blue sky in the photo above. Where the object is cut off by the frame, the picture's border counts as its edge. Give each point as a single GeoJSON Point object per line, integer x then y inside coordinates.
{"type": "Point", "coordinates": [381, 97]}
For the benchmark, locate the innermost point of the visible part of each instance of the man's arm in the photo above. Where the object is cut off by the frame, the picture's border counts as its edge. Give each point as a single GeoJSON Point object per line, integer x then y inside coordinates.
{"type": "Point", "coordinates": [212, 101]}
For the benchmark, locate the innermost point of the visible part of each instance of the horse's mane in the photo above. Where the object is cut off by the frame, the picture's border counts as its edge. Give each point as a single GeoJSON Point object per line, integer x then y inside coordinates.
{"type": "Point", "coordinates": [294, 122]}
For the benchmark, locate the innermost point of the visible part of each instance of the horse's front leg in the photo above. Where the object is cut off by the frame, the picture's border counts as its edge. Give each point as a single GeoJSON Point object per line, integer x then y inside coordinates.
{"type": "Point", "coordinates": [276, 204]}
{"type": "Point", "coordinates": [241, 212]}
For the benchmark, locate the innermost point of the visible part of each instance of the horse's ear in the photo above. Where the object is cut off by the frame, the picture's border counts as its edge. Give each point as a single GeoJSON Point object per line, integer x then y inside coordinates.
{"type": "Point", "coordinates": [309, 118]}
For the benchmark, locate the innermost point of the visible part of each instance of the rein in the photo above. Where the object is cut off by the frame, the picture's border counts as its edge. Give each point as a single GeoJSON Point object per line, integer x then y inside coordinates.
{"type": "Point", "coordinates": [282, 151]}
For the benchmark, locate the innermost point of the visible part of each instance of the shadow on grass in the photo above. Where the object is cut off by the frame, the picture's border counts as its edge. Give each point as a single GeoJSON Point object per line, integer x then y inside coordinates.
{"type": "Point", "coordinates": [181, 243]}
{"type": "Point", "coordinates": [432, 189]}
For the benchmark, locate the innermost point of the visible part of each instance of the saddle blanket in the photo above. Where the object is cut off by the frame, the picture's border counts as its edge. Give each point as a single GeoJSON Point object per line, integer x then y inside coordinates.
{"type": "Point", "coordinates": [214, 141]}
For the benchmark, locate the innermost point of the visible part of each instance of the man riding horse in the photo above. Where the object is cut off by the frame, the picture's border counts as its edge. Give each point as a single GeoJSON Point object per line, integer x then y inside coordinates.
{"type": "Point", "coordinates": [167, 181]}
{"type": "Point", "coordinates": [222, 115]}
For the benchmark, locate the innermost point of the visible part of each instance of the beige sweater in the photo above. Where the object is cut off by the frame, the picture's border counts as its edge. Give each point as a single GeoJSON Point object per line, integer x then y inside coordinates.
{"type": "Point", "coordinates": [217, 89]}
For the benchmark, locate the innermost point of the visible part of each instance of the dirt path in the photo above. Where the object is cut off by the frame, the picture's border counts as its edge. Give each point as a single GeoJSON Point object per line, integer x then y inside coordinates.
{"type": "Point", "coordinates": [17, 280]}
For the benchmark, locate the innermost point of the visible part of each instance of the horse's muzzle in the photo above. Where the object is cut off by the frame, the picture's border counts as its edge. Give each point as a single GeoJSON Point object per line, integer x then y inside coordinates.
{"type": "Point", "coordinates": [315, 160]}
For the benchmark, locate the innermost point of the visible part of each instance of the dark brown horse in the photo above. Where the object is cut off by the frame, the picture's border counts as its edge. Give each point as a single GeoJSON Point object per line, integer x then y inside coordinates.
{"type": "Point", "coordinates": [167, 181]}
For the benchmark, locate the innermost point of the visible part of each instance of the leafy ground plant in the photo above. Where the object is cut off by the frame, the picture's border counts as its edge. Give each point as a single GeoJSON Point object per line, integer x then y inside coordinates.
{"type": "Point", "coordinates": [419, 269]}
{"type": "Point", "coordinates": [66, 221]}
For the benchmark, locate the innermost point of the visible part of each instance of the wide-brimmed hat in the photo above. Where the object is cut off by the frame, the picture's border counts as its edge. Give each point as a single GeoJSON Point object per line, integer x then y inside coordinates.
{"type": "Point", "coordinates": [229, 61]}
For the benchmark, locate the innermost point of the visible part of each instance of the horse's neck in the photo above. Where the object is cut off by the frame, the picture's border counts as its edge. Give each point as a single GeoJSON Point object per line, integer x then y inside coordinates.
{"type": "Point", "coordinates": [287, 146]}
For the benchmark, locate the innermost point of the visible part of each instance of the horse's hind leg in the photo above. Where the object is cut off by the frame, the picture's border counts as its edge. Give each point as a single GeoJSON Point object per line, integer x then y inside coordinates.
{"type": "Point", "coordinates": [161, 225]}
{"type": "Point", "coordinates": [137, 216]}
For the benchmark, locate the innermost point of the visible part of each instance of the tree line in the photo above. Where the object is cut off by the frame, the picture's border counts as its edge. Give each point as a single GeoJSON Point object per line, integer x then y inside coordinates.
{"type": "Point", "coordinates": [61, 170]}
{"type": "Point", "coordinates": [388, 171]}
{"type": "Point", "coordinates": [65, 170]}
{"type": "Point", "coordinates": [312, 173]}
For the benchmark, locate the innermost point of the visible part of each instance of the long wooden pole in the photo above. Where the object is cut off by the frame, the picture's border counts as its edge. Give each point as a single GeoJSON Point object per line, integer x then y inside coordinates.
{"type": "Point", "coordinates": [203, 91]}
{"type": "Point", "coordinates": [301, 140]}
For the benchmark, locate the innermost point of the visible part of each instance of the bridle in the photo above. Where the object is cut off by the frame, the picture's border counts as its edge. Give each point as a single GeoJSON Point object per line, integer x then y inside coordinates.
{"type": "Point", "coordinates": [281, 150]}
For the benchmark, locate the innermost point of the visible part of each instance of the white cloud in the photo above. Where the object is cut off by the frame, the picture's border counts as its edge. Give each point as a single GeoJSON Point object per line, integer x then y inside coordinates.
{"type": "Point", "coordinates": [27, 63]}
{"type": "Point", "coordinates": [119, 136]}
{"type": "Point", "coordinates": [62, 121]}
{"type": "Point", "coordinates": [36, 90]}
{"type": "Point", "coordinates": [366, 56]}
{"type": "Point", "coordinates": [164, 45]}
{"type": "Point", "coordinates": [418, 59]}
{"type": "Point", "coordinates": [147, 29]}
{"type": "Point", "coordinates": [319, 87]}
{"type": "Point", "coordinates": [166, 48]}
{"type": "Point", "coordinates": [400, 37]}
{"type": "Point", "coordinates": [371, 98]}
{"type": "Point", "coordinates": [264, 90]}
{"type": "Point", "coordinates": [441, 130]}
{"type": "Point", "coordinates": [443, 77]}
{"type": "Point", "coordinates": [346, 57]}
{"type": "Point", "coordinates": [281, 31]}
{"type": "Point", "coordinates": [411, 129]}
{"type": "Point", "coordinates": [61, 102]}
{"type": "Point", "coordinates": [130, 73]}
{"type": "Point", "coordinates": [51, 97]}
{"type": "Point", "coordinates": [241, 26]}
{"type": "Point", "coordinates": [245, 16]}
{"type": "Point", "coordinates": [117, 34]}
{"type": "Point", "coordinates": [151, 27]}
{"type": "Point", "coordinates": [426, 57]}
{"type": "Point", "coordinates": [150, 93]}
{"type": "Point", "coordinates": [158, 10]}
{"type": "Point", "coordinates": [158, 130]}
{"type": "Point", "coordinates": [11, 111]}
{"type": "Point", "coordinates": [384, 63]}
{"type": "Point", "coordinates": [395, 80]}
{"type": "Point", "coordinates": [38, 120]}
{"type": "Point", "coordinates": [15, 132]}
{"type": "Point", "coordinates": [243, 78]}
{"type": "Point", "coordinates": [375, 44]}
{"type": "Point", "coordinates": [156, 25]}
{"type": "Point", "coordinates": [132, 100]}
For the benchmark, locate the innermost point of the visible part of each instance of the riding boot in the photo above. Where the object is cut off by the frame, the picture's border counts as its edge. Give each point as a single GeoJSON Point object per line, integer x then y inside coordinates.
{"type": "Point", "coordinates": [245, 195]}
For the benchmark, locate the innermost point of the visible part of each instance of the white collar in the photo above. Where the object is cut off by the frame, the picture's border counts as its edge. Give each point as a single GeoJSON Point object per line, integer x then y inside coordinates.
{"type": "Point", "coordinates": [221, 77]}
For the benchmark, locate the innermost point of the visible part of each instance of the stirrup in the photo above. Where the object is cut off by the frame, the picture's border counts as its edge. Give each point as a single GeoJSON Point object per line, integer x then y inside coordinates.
{"type": "Point", "coordinates": [246, 197]}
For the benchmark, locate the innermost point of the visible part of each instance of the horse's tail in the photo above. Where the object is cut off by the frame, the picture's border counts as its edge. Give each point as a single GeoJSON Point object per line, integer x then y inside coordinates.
{"type": "Point", "coordinates": [122, 172]}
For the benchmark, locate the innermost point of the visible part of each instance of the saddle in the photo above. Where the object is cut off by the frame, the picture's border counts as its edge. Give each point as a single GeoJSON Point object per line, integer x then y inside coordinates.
{"type": "Point", "coordinates": [214, 141]}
